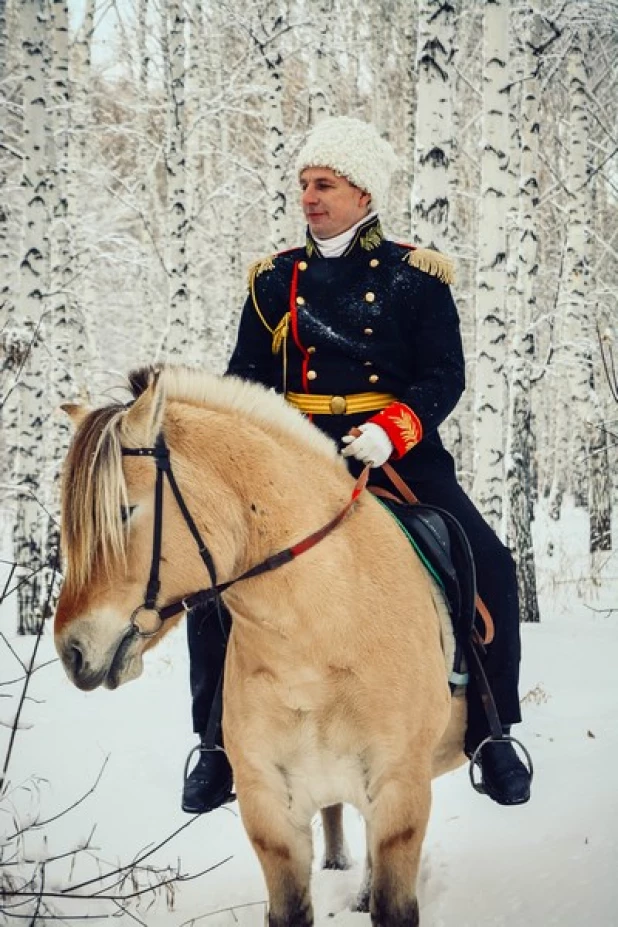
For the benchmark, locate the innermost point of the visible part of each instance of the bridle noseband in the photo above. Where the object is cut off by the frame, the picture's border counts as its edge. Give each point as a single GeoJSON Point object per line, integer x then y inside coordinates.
{"type": "Point", "coordinates": [161, 455]}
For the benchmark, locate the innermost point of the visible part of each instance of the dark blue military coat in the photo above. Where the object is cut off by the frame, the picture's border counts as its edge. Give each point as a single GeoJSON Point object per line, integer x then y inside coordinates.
{"type": "Point", "coordinates": [366, 322]}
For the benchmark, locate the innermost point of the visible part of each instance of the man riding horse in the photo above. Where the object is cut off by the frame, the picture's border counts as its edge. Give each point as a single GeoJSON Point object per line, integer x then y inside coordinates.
{"type": "Point", "coordinates": [362, 335]}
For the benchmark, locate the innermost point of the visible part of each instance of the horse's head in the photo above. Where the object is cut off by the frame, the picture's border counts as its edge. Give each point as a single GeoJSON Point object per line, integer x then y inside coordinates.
{"type": "Point", "coordinates": [108, 504]}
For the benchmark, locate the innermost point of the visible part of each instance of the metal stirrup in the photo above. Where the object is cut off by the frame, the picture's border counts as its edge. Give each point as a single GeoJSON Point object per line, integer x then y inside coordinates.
{"type": "Point", "coordinates": [475, 759]}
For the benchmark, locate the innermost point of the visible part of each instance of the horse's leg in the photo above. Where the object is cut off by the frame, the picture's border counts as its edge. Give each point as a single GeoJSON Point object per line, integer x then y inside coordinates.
{"type": "Point", "coordinates": [335, 852]}
{"type": "Point", "coordinates": [284, 848]}
{"type": "Point", "coordinates": [396, 830]}
{"type": "Point", "coordinates": [364, 893]}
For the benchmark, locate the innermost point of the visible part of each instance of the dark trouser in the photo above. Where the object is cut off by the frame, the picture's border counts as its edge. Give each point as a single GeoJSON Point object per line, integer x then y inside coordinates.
{"type": "Point", "coordinates": [207, 632]}
{"type": "Point", "coordinates": [496, 584]}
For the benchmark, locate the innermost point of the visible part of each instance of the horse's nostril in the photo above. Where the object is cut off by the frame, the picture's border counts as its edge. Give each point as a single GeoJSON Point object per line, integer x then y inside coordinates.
{"type": "Point", "coordinates": [75, 659]}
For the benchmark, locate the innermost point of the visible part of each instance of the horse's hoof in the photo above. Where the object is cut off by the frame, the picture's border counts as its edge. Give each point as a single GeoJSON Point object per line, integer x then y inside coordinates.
{"type": "Point", "coordinates": [339, 862]}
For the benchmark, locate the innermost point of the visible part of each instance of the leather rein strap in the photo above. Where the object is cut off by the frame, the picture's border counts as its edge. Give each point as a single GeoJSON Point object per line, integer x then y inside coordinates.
{"type": "Point", "coordinates": [161, 455]}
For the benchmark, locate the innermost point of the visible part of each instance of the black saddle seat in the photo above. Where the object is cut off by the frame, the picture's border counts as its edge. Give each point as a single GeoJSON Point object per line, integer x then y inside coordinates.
{"type": "Point", "coordinates": [440, 541]}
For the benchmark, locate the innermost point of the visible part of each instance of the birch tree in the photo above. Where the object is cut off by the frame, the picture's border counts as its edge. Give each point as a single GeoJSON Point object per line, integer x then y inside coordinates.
{"type": "Point", "coordinates": [273, 23]}
{"type": "Point", "coordinates": [178, 336]}
{"type": "Point", "coordinates": [10, 157]}
{"type": "Point", "coordinates": [27, 400]}
{"type": "Point", "coordinates": [570, 469]}
{"type": "Point", "coordinates": [321, 76]}
{"type": "Point", "coordinates": [521, 491]}
{"type": "Point", "coordinates": [580, 462]}
{"type": "Point", "coordinates": [68, 340]}
{"type": "Point", "coordinates": [491, 274]}
{"type": "Point", "coordinates": [434, 125]}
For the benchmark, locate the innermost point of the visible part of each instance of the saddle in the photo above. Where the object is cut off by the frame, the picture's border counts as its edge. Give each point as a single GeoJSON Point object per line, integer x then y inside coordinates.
{"type": "Point", "coordinates": [442, 546]}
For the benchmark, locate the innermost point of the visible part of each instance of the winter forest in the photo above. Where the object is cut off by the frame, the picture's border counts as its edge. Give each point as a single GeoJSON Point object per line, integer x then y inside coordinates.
{"type": "Point", "coordinates": [146, 161]}
{"type": "Point", "coordinates": [147, 153]}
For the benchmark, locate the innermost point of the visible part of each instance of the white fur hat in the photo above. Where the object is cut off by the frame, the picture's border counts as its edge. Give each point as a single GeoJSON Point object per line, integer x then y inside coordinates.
{"type": "Point", "coordinates": [353, 149]}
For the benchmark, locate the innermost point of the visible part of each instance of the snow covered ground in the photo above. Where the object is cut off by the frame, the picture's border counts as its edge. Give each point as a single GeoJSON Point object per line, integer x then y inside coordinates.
{"type": "Point", "coordinates": [551, 862]}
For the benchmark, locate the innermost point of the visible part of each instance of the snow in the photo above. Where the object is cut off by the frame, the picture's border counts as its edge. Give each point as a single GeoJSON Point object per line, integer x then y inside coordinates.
{"type": "Point", "coordinates": [551, 862]}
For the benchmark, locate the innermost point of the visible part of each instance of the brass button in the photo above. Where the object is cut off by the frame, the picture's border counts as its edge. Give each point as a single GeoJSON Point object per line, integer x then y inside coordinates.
{"type": "Point", "coordinates": [373, 262]}
{"type": "Point", "coordinates": [338, 405]}
{"type": "Point", "coordinates": [311, 350]}
{"type": "Point", "coordinates": [300, 301]}
{"type": "Point", "coordinates": [370, 297]}
{"type": "Point", "coordinates": [368, 331]}
{"type": "Point", "coordinates": [311, 374]}
{"type": "Point", "coordinates": [374, 378]}
{"type": "Point", "coordinates": [302, 265]}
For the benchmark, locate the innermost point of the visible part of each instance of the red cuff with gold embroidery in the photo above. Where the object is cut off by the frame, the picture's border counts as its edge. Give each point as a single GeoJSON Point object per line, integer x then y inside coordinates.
{"type": "Point", "coordinates": [402, 426]}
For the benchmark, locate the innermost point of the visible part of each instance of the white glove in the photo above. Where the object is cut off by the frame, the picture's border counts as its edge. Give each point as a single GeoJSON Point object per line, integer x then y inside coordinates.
{"type": "Point", "coordinates": [373, 446]}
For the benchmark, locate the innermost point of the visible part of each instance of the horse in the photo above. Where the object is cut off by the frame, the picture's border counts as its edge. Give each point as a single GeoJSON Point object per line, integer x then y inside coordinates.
{"type": "Point", "coordinates": [336, 675]}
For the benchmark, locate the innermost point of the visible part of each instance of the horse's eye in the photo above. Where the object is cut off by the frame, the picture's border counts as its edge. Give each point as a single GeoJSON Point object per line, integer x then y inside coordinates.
{"type": "Point", "coordinates": [125, 512]}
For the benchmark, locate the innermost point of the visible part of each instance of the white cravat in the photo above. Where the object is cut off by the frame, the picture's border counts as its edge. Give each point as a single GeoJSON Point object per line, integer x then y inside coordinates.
{"type": "Point", "coordinates": [335, 247]}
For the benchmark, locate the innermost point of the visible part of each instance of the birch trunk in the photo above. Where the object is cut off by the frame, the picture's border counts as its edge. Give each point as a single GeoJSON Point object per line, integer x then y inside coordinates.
{"type": "Point", "coordinates": [599, 489]}
{"type": "Point", "coordinates": [3, 39]}
{"type": "Point", "coordinates": [5, 257]}
{"type": "Point", "coordinates": [600, 500]}
{"type": "Point", "coordinates": [520, 483]}
{"type": "Point", "coordinates": [489, 399]}
{"type": "Point", "coordinates": [574, 346]}
{"type": "Point", "coordinates": [269, 48]}
{"type": "Point", "coordinates": [63, 334]}
{"type": "Point", "coordinates": [434, 126]}
{"type": "Point", "coordinates": [321, 95]}
{"type": "Point", "coordinates": [410, 38]}
{"type": "Point", "coordinates": [200, 54]}
{"type": "Point", "coordinates": [277, 200]}
{"type": "Point", "coordinates": [80, 154]}
{"type": "Point", "coordinates": [27, 398]}
{"type": "Point", "coordinates": [178, 334]}
{"type": "Point", "coordinates": [67, 335]}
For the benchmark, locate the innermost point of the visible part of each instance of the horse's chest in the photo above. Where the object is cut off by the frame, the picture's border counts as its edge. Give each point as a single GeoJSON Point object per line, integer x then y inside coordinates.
{"type": "Point", "coordinates": [321, 752]}
{"type": "Point", "coordinates": [308, 733]}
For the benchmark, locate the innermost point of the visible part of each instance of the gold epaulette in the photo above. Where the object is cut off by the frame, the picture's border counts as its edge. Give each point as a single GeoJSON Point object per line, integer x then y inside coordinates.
{"type": "Point", "coordinates": [431, 262]}
{"type": "Point", "coordinates": [258, 267]}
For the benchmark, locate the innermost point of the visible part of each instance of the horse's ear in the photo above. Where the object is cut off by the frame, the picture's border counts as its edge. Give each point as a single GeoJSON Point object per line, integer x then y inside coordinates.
{"type": "Point", "coordinates": [143, 420]}
{"type": "Point", "coordinates": [76, 412]}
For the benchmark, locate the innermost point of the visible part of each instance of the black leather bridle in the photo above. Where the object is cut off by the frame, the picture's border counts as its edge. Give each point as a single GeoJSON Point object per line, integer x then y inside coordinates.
{"type": "Point", "coordinates": [161, 455]}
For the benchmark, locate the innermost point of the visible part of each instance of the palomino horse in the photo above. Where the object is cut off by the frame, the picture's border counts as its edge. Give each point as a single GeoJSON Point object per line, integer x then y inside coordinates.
{"type": "Point", "coordinates": [335, 680]}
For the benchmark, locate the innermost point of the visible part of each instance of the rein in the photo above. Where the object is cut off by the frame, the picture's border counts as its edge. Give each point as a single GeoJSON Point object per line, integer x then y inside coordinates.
{"type": "Point", "coordinates": [161, 455]}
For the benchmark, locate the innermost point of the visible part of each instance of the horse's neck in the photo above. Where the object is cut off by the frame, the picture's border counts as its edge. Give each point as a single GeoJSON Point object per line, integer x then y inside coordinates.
{"type": "Point", "coordinates": [259, 495]}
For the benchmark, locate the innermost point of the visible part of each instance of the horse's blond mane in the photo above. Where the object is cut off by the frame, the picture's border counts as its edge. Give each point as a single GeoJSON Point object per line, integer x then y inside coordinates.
{"type": "Point", "coordinates": [93, 489]}
{"type": "Point", "coordinates": [93, 493]}
{"type": "Point", "coordinates": [263, 406]}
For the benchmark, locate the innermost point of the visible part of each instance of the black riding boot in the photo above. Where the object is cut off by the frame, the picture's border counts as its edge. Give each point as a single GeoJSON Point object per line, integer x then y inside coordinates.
{"type": "Point", "coordinates": [504, 778]}
{"type": "Point", "coordinates": [209, 784]}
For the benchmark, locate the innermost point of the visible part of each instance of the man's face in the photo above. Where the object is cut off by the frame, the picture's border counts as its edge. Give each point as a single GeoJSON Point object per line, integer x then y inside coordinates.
{"type": "Point", "coordinates": [331, 204]}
